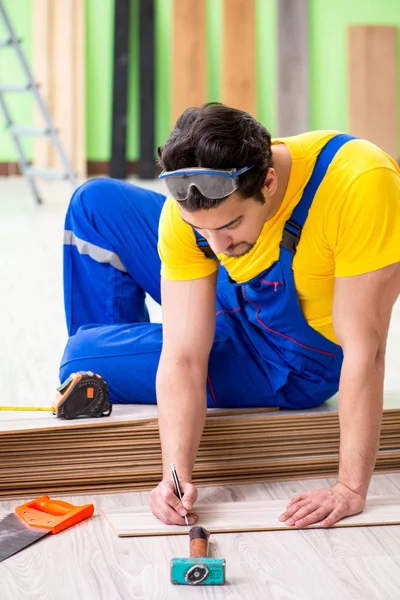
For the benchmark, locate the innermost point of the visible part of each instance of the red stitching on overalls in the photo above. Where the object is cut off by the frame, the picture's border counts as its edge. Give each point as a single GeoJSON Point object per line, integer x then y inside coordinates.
{"type": "Point", "coordinates": [211, 390]}
{"type": "Point", "coordinates": [282, 334]}
{"type": "Point", "coordinates": [228, 310]}
{"type": "Point", "coordinates": [274, 283]}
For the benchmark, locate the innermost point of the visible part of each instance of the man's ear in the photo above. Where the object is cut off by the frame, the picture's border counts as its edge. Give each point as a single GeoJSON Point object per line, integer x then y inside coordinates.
{"type": "Point", "coordinates": [271, 182]}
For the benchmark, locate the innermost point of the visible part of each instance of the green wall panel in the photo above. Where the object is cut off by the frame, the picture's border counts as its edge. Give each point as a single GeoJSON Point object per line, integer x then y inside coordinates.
{"type": "Point", "coordinates": [20, 106]}
{"type": "Point", "coordinates": [214, 49]}
{"type": "Point", "coordinates": [163, 73]}
{"type": "Point", "coordinates": [328, 54]}
{"type": "Point", "coordinates": [99, 52]}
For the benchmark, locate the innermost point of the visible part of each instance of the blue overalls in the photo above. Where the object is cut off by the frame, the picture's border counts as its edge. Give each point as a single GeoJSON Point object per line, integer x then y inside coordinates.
{"type": "Point", "coordinates": [264, 351]}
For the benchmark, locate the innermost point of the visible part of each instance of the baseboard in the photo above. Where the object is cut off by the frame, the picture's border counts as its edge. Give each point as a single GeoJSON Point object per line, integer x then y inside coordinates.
{"type": "Point", "coordinates": [9, 168]}
{"type": "Point", "coordinates": [94, 167]}
{"type": "Point", "coordinates": [101, 167]}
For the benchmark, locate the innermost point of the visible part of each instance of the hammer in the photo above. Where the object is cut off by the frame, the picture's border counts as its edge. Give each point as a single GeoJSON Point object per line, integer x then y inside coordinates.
{"type": "Point", "coordinates": [199, 569]}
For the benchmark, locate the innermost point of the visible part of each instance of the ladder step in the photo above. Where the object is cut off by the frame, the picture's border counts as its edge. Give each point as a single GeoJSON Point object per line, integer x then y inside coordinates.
{"type": "Point", "coordinates": [9, 42]}
{"type": "Point", "coordinates": [16, 87]}
{"type": "Point", "coordinates": [45, 173]}
{"type": "Point", "coordinates": [28, 131]}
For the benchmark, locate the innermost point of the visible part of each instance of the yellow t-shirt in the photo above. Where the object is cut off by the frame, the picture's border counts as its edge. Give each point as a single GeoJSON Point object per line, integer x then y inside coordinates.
{"type": "Point", "coordinates": [353, 227]}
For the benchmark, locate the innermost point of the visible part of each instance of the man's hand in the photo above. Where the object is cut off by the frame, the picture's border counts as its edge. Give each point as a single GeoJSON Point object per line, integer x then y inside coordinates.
{"type": "Point", "coordinates": [166, 505]}
{"type": "Point", "coordinates": [327, 505]}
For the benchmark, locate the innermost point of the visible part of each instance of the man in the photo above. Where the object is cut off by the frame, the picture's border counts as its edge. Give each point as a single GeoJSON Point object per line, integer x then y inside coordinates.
{"type": "Point", "coordinates": [280, 265]}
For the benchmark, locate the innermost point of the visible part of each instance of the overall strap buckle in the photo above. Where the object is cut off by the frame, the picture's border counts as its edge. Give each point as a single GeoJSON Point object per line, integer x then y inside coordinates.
{"type": "Point", "coordinates": [291, 236]}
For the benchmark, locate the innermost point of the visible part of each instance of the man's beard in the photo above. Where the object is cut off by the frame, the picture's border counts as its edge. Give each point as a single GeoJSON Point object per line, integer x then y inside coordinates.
{"type": "Point", "coordinates": [247, 246]}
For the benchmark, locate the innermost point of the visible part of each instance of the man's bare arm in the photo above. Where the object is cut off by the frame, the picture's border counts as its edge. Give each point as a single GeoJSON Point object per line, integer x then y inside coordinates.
{"type": "Point", "coordinates": [362, 311]}
{"type": "Point", "coordinates": [361, 314]}
{"type": "Point", "coordinates": [188, 333]}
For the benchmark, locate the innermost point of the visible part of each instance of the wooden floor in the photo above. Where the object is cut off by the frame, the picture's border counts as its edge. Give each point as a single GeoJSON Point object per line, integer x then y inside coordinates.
{"type": "Point", "coordinates": [91, 562]}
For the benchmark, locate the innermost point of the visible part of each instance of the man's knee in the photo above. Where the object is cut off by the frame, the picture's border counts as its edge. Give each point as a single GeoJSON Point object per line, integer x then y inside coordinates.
{"type": "Point", "coordinates": [78, 352]}
{"type": "Point", "coordinates": [95, 197]}
{"type": "Point", "coordinates": [109, 200]}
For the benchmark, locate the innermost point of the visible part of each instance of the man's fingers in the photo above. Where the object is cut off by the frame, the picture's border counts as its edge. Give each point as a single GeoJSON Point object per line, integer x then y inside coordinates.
{"type": "Point", "coordinates": [313, 516]}
{"type": "Point", "coordinates": [169, 516]}
{"type": "Point", "coordinates": [171, 499]}
{"type": "Point", "coordinates": [334, 517]}
{"type": "Point", "coordinates": [189, 496]}
{"type": "Point", "coordinates": [167, 507]}
{"type": "Point", "coordinates": [325, 507]}
{"type": "Point", "coordinates": [162, 505]}
{"type": "Point", "coordinates": [301, 512]}
{"type": "Point", "coordinates": [188, 499]}
{"type": "Point", "coordinates": [294, 508]}
{"type": "Point", "coordinates": [298, 498]}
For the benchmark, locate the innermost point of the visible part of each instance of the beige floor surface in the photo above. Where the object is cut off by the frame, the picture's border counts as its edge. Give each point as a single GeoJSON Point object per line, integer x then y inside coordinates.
{"type": "Point", "coordinates": [91, 562]}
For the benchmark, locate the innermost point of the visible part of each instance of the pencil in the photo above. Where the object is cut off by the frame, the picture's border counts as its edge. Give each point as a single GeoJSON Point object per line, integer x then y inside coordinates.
{"type": "Point", "coordinates": [178, 488]}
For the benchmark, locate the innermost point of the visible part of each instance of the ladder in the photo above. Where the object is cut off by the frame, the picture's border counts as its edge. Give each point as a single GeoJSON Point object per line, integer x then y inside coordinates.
{"type": "Point", "coordinates": [19, 131]}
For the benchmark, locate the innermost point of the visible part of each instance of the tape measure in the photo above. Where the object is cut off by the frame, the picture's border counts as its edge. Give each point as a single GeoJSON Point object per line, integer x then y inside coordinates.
{"type": "Point", "coordinates": [82, 394]}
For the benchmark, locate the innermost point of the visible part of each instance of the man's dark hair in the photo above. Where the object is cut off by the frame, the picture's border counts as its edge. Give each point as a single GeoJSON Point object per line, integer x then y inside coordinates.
{"type": "Point", "coordinates": [218, 137]}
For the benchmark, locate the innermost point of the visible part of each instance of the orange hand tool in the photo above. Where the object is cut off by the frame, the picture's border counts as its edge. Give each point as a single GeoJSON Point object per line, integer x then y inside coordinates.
{"type": "Point", "coordinates": [33, 520]}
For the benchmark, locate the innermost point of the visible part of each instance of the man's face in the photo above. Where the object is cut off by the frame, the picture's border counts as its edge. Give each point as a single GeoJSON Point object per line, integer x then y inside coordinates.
{"type": "Point", "coordinates": [232, 228]}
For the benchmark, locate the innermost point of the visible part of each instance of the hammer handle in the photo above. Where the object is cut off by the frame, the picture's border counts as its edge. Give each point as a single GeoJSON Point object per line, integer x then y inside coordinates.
{"type": "Point", "coordinates": [198, 542]}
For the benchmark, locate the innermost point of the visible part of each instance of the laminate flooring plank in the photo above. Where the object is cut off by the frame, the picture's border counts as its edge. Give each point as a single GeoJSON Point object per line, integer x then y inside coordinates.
{"type": "Point", "coordinates": [238, 84]}
{"type": "Point", "coordinates": [188, 55]}
{"type": "Point", "coordinates": [372, 60]}
{"type": "Point", "coordinates": [18, 421]}
{"type": "Point", "coordinates": [14, 421]}
{"type": "Point", "coordinates": [245, 516]}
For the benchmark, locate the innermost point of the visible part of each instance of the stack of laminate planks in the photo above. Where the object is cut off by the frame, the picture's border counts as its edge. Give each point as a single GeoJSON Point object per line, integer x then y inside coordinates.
{"type": "Point", "coordinates": [44, 455]}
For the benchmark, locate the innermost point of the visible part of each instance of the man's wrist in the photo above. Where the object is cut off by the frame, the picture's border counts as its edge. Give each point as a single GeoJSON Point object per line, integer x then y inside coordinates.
{"type": "Point", "coordinates": [183, 474]}
{"type": "Point", "coordinates": [360, 490]}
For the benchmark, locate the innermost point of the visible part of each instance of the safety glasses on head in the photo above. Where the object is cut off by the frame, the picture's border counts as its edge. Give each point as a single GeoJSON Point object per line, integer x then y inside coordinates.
{"type": "Point", "coordinates": [212, 183]}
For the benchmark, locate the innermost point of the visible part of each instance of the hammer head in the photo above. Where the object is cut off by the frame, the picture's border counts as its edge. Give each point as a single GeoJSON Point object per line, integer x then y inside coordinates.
{"type": "Point", "coordinates": [198, 571]}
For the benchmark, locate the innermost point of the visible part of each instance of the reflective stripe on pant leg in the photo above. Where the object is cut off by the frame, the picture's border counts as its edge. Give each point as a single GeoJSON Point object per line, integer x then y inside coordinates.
{"type": "Point", "coordinates": [97, 253]}
{"type": "Point", "coordinates": [98, 287]}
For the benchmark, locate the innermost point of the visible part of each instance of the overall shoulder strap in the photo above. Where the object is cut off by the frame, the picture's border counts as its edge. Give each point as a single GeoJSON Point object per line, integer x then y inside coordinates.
{"type": "Point", "coordinates": [203, 245]}
{"type": "Point", "coordinates": [294, 225]}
